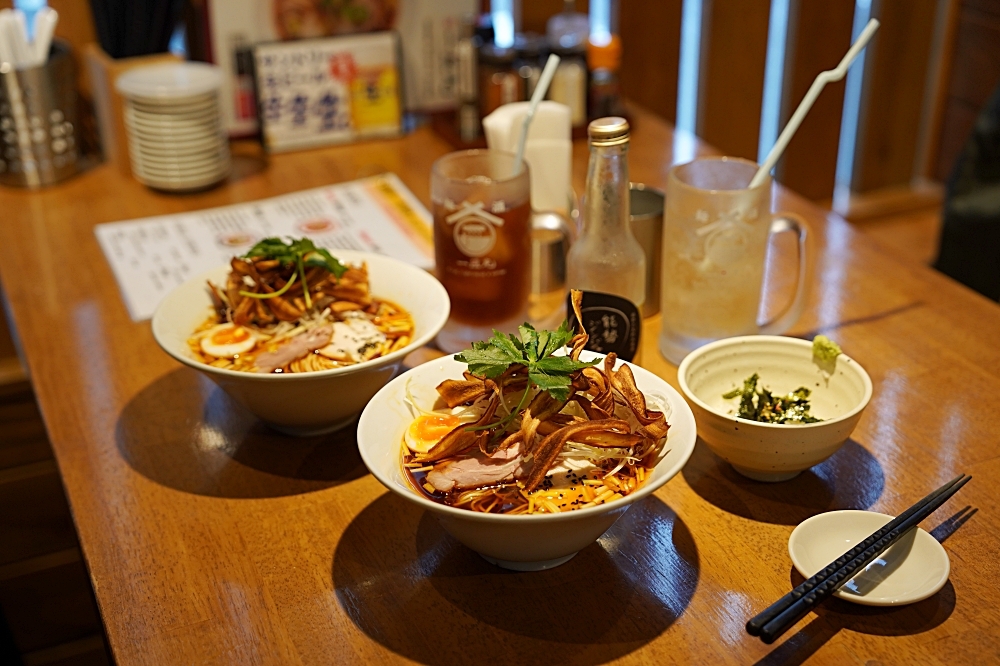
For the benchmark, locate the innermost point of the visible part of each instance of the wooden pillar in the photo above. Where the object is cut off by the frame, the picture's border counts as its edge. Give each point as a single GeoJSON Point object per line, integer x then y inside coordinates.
{"type": "Point", "coordinates": [892, 102]}
{"type": "Point", "coordinates": [651, 37]}
{"type": "Point", "coordinates": [734, 50]}
{"type": "Point", "coordinates": [818, 36]}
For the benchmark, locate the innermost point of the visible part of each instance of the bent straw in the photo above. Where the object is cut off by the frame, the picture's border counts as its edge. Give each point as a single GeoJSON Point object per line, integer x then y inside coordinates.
{"type": "Point", "coordinates": [536, 97]}
{"type": "Point", "coordinates": [815, 89]}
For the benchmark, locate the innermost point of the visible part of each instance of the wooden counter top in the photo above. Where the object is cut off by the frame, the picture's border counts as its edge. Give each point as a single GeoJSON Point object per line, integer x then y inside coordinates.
{"type": "Point", "coordinates": [210, 539]}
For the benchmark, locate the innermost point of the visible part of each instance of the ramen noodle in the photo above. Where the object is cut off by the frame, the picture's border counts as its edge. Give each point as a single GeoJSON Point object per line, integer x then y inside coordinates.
{"type": "Point", "coordinates": [275, 315]}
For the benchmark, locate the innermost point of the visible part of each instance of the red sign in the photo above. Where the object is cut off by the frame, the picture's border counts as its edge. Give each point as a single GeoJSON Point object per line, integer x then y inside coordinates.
{"type": "Point", "coordinates": [342, 67]}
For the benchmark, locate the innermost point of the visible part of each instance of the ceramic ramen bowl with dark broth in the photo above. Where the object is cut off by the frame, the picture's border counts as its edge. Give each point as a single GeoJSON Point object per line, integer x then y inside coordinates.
{"type": "Point", "coordinates": [308, 403]}
{"type": "Point", "coordinates": [520, 542]}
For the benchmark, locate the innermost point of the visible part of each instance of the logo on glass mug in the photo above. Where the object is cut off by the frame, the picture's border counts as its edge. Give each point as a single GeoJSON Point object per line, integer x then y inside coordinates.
{"type": "Point", "coordinates": [474, 228]}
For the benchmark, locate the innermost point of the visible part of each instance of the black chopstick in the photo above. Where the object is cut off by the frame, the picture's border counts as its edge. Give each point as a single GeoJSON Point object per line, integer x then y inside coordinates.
{"type": "Point", "coordinates": [755, 625]}
{"type": "Point", "coordinates": [785, 612]}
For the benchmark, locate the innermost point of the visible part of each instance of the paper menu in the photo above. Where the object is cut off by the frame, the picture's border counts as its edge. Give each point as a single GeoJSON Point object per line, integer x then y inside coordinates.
{"type": "Point", "coordinates": [151, 256]}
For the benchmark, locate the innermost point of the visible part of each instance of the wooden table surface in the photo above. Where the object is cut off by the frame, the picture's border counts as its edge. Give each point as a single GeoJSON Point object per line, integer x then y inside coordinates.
{"type": "Point", "coordinates": [210, 539]}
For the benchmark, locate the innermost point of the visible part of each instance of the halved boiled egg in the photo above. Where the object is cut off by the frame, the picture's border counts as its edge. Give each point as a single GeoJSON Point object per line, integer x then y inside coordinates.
{"type": "Point", "coordinates": [227, 341]}
{"type": "Point", "coordinates": [427, 430]}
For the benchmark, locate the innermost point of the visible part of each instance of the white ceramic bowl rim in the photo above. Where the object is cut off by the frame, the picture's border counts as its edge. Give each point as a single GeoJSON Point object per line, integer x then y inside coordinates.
{"type": "Point", "coordinates": [780, 339]}
{"type": "Point", "coordinates": [647, 489]}
{"type": "Point", "coordinates": [349, 256]}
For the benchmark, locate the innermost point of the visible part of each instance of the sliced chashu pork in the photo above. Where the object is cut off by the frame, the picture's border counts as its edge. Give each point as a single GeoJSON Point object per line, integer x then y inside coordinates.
{"type": "Point", "coordinates": [478, 470]}
{"type": "Point", "coordinates": [294, 349]}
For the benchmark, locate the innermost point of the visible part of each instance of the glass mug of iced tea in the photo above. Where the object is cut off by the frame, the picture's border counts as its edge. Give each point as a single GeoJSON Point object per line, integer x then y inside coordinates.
{"type": "Point", "coordinates": [482, 243]}
{"type": "Point", "coordinates": [716, 233]}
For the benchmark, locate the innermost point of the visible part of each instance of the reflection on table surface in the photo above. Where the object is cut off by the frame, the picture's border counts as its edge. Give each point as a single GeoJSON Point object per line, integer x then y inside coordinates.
{"type": "Point", "coordinates": [211, 539]}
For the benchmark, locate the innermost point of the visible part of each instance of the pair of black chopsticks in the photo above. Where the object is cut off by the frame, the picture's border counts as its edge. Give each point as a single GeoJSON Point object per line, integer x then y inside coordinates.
{"type": "Point", "coordinates": [789, 609]}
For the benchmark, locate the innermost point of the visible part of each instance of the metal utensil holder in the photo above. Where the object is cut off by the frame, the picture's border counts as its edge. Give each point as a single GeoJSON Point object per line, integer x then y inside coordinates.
{"type": "Point", "coordinates": [38, 124]}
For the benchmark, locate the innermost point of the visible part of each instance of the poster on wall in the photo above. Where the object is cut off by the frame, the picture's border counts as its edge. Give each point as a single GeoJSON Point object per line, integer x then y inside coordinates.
{"type": "Point", "coordinates": [428, 31]}
{"type": "Point", "coordinates": [316, 92]}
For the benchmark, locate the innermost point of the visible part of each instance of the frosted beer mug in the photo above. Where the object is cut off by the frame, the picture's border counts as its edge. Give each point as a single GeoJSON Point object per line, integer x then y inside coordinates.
{"type": "Point", "coordinates": [482, 243]}
{"type": "Point", "coordinates": [715, 238]}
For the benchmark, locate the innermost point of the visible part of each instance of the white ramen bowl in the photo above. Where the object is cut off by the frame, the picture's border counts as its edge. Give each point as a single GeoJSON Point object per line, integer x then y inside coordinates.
{"type": "Point", "coordinates": [771, 451]}
{"type": "Point", "coordinates": [522, 542]}
{"type": "Point", "coordinates": [308, 403]}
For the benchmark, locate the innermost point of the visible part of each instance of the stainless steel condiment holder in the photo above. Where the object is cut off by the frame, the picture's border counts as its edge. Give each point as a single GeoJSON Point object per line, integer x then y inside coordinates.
{"type": "Point", "coordinates": [38, 121]}
{"type": "Point", "coordinates": [646, 218]}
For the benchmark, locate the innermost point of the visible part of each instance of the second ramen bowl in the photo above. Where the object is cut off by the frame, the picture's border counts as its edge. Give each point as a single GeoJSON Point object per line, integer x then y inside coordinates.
{"type": "Point", "coordinates": [520, 542]}
{"type": "Point", "coordinates": [310, 403]}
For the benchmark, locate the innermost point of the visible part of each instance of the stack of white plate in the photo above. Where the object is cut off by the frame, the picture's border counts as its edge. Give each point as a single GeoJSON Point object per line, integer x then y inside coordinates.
{"type": "Point", "coordinates": [175, 136]}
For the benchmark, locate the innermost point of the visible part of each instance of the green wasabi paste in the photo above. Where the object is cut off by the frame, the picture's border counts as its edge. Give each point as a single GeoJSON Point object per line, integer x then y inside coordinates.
{"type": "Point", "coordinates": [825, 350]}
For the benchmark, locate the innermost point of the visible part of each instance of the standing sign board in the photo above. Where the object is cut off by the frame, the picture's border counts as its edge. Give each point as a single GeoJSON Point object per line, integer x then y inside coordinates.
{"type": "Point", "coordinates": [319, 92]}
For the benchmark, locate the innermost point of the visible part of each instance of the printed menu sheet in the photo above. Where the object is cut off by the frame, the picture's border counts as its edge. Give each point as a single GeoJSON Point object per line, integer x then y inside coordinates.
{"type": "Point", "coordinates": [153, 255]}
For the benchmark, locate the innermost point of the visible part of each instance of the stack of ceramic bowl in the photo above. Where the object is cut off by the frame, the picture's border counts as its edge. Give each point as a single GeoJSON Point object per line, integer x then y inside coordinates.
{"type": "Point", "coordinates": [175, 135]}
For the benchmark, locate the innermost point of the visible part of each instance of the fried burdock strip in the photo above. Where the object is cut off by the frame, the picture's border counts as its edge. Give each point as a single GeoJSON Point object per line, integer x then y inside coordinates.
{"type": "Point", "coordinates": [457, 392]}
{"type": "Point", "coordinates": [579, 341]}
{"type": "Point", "coordinates": [541, 408]}
{"type": "Point", "coordinates": [267, 276]}
{"type": "Point", "coordinates": [219, 302]}
{"type": "Point", "coordinates": [466, 391]}
{"type": "Point", "coordinates": [549, 448]}
{"type": "Point", "coordinates": [465, 435]}
{"type": "Point", "coordinates": [654, 424]}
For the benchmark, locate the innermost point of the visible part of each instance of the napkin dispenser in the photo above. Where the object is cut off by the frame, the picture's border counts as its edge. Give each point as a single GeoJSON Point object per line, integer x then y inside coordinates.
{"type": "Point", "coordinates": [548, 151]}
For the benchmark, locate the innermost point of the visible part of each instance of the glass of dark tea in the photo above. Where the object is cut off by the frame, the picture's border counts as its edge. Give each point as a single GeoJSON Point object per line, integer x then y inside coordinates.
{"type": "Point", "coordinates": [482, 243]}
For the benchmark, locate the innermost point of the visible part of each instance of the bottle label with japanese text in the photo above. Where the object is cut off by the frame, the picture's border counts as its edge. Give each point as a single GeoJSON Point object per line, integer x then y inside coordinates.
{"type": "Point", "coordinates": [613, 323]}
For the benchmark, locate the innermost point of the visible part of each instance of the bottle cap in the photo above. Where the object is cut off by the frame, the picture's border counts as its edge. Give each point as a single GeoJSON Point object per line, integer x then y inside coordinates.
{"type": "Point", "coordinates": [605, 56]}
{"type": "Point", "coordinates": [611, 131]}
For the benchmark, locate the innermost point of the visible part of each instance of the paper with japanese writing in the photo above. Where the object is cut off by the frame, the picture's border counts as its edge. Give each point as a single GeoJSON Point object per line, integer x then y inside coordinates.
{"type": "Point", "coordinates": [151, 256]}
{"type": "Point", "coordinates": [321, 91]}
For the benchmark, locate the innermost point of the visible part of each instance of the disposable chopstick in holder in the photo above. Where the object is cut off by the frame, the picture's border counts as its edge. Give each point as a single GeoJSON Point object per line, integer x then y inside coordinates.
{"type": "Point", "coordinates": [6, 52]}
{"type": "Point", "coordinates": [782, 614]}
{"type": "Point", "coordinates": [15, 48]}
{"type": "Point", "coordinates": [45, 27]}
{"type": "Point", "coordinates": [17, 31]}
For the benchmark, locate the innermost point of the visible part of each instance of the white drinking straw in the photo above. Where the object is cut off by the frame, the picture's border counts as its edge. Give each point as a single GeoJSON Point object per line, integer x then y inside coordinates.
{"type": "Point", "coordinates": [814, 90]}
{"type": "Point", "coordinates": [536, 97]}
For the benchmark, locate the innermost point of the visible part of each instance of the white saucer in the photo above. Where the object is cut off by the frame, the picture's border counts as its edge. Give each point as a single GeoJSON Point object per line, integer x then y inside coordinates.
{"type": "Point", "coordinates": [911, 570]}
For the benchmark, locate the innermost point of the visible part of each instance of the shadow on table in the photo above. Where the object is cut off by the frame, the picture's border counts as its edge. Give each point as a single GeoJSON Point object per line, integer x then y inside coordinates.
{"type": "Point", "coordinates": [426, 597]}
{"type": "Point", "coordinates": [850, 479]}
{"type": "Point", "coordinates": [184, 432]}
{"type": "Point", "coordinates": [834, 615]}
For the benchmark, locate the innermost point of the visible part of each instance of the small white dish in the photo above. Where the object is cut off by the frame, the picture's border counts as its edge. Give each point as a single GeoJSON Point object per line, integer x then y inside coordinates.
{"type": "Point", "coordinates": [178, 83]}
{"type": "Point", "coordinates": [160, 109]}
{"type": "Point", "coordinates": [183, 163]}
{"type": "Point", "coordinates": [158, 118]}
{"type": "Point", "coordinates": [180, 167]}
{"type": "Point", "coordinates": [911, 570]}
{"type": "Point", "coordinates": [164, 134]}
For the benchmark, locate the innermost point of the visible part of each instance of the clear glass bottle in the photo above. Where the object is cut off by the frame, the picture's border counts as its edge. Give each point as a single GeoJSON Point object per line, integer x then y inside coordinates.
{"type": "Point", "coordinates": [606, 257]}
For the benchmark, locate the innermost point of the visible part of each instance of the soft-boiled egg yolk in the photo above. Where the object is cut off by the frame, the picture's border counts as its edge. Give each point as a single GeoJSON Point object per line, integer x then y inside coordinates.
{"type": "Point", "coordinates": [427, 430]}
{"type": "Point", "coordinates": [227, 341]}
